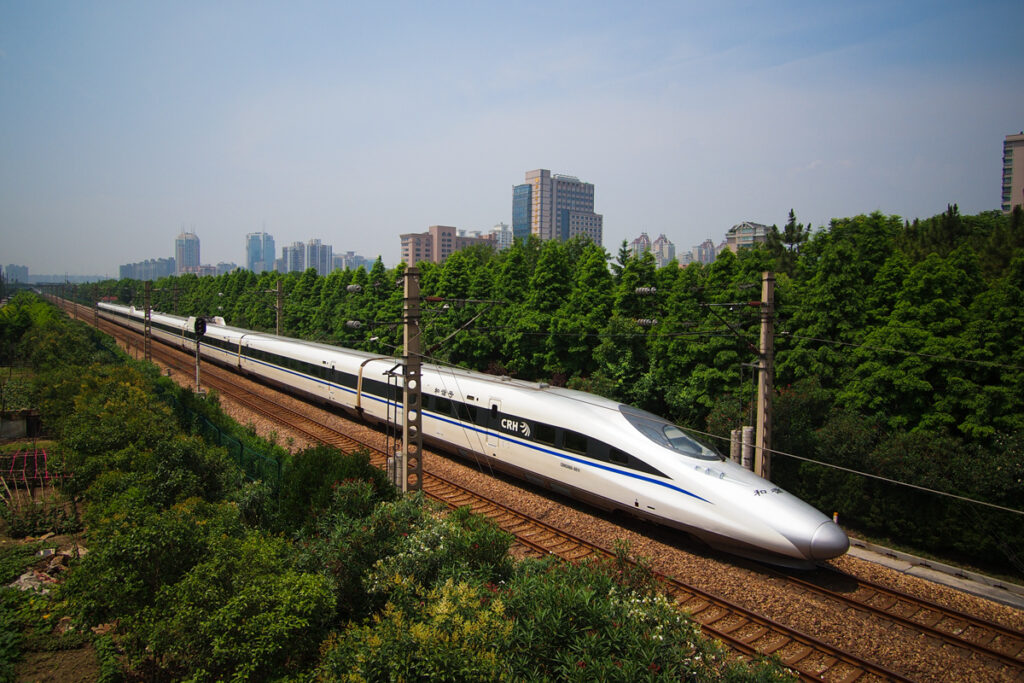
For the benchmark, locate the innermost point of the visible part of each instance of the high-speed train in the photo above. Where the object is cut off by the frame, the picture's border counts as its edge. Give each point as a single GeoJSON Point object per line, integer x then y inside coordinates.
{"type": "Point", "coordinates": [606, 453]}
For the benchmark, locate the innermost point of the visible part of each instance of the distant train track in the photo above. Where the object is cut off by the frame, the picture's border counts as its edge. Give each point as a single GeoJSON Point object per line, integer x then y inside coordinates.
{"type": "Point", "coordinates": [746, 632]}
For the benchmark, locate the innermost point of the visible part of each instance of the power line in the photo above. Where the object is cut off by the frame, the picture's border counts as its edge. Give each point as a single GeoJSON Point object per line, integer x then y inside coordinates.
{"type": "Point", "coordinates": [877, 477]}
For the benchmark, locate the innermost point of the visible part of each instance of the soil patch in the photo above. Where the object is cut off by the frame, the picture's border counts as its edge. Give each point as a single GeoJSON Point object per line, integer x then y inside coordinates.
{"type": "Point", "coordinates": [66, 666]}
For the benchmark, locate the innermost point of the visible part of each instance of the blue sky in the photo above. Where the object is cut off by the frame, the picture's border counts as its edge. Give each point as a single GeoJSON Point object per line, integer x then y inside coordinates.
{"type": "Point", "coordinates": [122, 123]}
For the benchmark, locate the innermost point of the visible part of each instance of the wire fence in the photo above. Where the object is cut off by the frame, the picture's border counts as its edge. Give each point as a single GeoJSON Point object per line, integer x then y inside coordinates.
{"type": "Point", "coordinates": [255, 465]}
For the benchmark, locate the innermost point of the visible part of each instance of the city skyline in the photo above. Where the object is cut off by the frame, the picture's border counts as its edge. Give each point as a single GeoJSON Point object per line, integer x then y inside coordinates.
{"type": "Point", "coordinates": [124, 125]}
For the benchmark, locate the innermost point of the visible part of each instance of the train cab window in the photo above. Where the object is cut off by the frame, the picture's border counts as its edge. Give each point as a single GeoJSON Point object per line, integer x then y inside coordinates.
{"type": "Point", "coordinates": [666, 434]}
{"type": "Point", "coordinates": [575, 442]}
{"type": "Point", "coordinates": [617, 456]}
{"type": "Point", "coordinates": [544, 433]}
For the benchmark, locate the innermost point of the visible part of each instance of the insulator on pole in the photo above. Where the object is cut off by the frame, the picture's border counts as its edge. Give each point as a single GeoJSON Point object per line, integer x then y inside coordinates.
{"type": "Point", "coordinates": [646, 322]}
{"type": "Point", "coordinates": [354, 324]}
{"type": "Point", "coordinates": [354, 288]}
{"type": "Point", "coordinates": [646, 290]}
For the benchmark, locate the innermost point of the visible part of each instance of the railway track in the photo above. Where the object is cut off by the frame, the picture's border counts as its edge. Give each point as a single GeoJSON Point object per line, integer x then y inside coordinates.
{"type": "Point", "coordinates": [980, 636]}
{"type": "Point", "coordinates": [746, 632]}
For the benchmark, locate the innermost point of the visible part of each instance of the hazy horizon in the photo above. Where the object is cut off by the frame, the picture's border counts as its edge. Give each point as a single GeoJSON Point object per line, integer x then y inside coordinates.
{"type": "Point", "coordinates": [122, 124]}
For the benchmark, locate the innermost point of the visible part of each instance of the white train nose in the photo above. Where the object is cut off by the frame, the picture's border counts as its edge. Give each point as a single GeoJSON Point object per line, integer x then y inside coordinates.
{"type": "Point", "coordinates": [828, 541]}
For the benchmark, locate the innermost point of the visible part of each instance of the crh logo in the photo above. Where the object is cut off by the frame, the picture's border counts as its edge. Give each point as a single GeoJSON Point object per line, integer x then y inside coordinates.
{"type": "Point", "coordinates": [515, 426]}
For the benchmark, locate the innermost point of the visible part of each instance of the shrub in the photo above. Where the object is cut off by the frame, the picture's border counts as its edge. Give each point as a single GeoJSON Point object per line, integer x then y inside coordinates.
{"type": "Point", "coordinates": [243, 612]}
{"type": "Point", "coordinates": [460, 545]}
{"type": "Point", "coordinates": [309, 479]}
{"type": "Point", "coordinates": [456, 632]}
{"type": "Point", "coordinates": [345, 547]}
{"type": "Point", "coordinates": [578, 622]}
{"type": "Point", "coordinates": [135, 549]}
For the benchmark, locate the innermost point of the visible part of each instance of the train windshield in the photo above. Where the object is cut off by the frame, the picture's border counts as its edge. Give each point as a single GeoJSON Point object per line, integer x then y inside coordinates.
{"type": "Point", "coordinates": [666, 434]}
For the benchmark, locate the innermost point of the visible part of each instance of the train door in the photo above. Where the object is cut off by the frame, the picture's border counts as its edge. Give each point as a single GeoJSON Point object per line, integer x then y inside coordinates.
{"type": "Point", "coordinates": [332, 391]}
{"type": "Point", "coordinates": [493, 422]}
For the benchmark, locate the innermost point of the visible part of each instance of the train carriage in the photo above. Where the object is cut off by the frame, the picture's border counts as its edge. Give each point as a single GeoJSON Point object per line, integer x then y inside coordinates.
{"type": "Point", "coordinates": [597, 450]}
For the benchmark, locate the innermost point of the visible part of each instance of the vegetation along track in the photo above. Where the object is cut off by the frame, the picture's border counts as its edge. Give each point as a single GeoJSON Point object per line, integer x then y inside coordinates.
{"type": "Point", "coordinates": [746, 632]}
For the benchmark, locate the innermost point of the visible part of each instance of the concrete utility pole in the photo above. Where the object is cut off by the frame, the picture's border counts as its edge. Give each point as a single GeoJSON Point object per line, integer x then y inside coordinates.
{"type": "Point", "coordinates": [411, 470]}
{"type": "Point", "coordinates": [763, 445]}
{"type": "Point", "coordinates": [149, 321]}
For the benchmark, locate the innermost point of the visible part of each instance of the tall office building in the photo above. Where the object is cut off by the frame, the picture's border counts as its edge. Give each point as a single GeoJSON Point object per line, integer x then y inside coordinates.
{"type": "Point", "coordinates": [293, 258]}
{"type": "Point", "coordinates": [259, 252]}
{"type": "Point", "coordinates": [1013, 172]}
{"type": "Point", "coordinates": [319, 256]}
{"type": "Point", "coordinates": [186, 251]}
{"type": "Point", "coordinates": [555, 207]}
{"type": "Point", "coordinates": [522, 203]}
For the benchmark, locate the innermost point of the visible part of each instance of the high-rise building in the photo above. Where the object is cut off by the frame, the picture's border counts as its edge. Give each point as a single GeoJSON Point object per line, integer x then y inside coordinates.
{"type": "Point", "coordinates": [351, 261]}
{"type": "Point", "coordinates": [259, 252]}
{"type": "Point", "coordinates": [746, 234]}
{"type": "Point", "coordinates": [555, 207]}
{"type": "Point", "coordinates": [319, 257]}
{"type": "Point", "coordinates": [705, 252]}
{"type": "Point", "coordinates": [522, 203]}
{"type": "Point", "coordinates": [186, 251]}
{"type": "Point", "coordinates": [150, 269]}
{"type": "Point", "coordinates": [201, 271]}
{"type": "Point", "coordinates": [294, 258]}
{"type": "Point", "coordinates": [15, 273]}
{"type": "Point", "coordinates": [436, 244]}
{"type": "Point", "coordinates": [501, 235]}
{"type": "Point", "coordinates": [640, 245]}
{"type": "Point", "coordinates": [664, 251]}
{"type": "Point", "coordinates": [1013, 172]}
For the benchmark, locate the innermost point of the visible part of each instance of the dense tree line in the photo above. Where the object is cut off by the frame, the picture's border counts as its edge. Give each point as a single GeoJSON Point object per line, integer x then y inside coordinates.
{"type": "Point", "coordinates": [900, 348]}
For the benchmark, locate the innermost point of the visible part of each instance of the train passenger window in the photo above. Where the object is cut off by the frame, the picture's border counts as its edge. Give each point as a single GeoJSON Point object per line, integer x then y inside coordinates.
{"type": "Point", "coordinates": [544, 434]}
{"type": "Point", "coordinates": [482, 416]}
{"type": "Point", "coordinates": [444, 405]}
{"type": "Point", "coordinates": [617, 456]}
{"type": "Point", "coordinates": [575, 442]}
